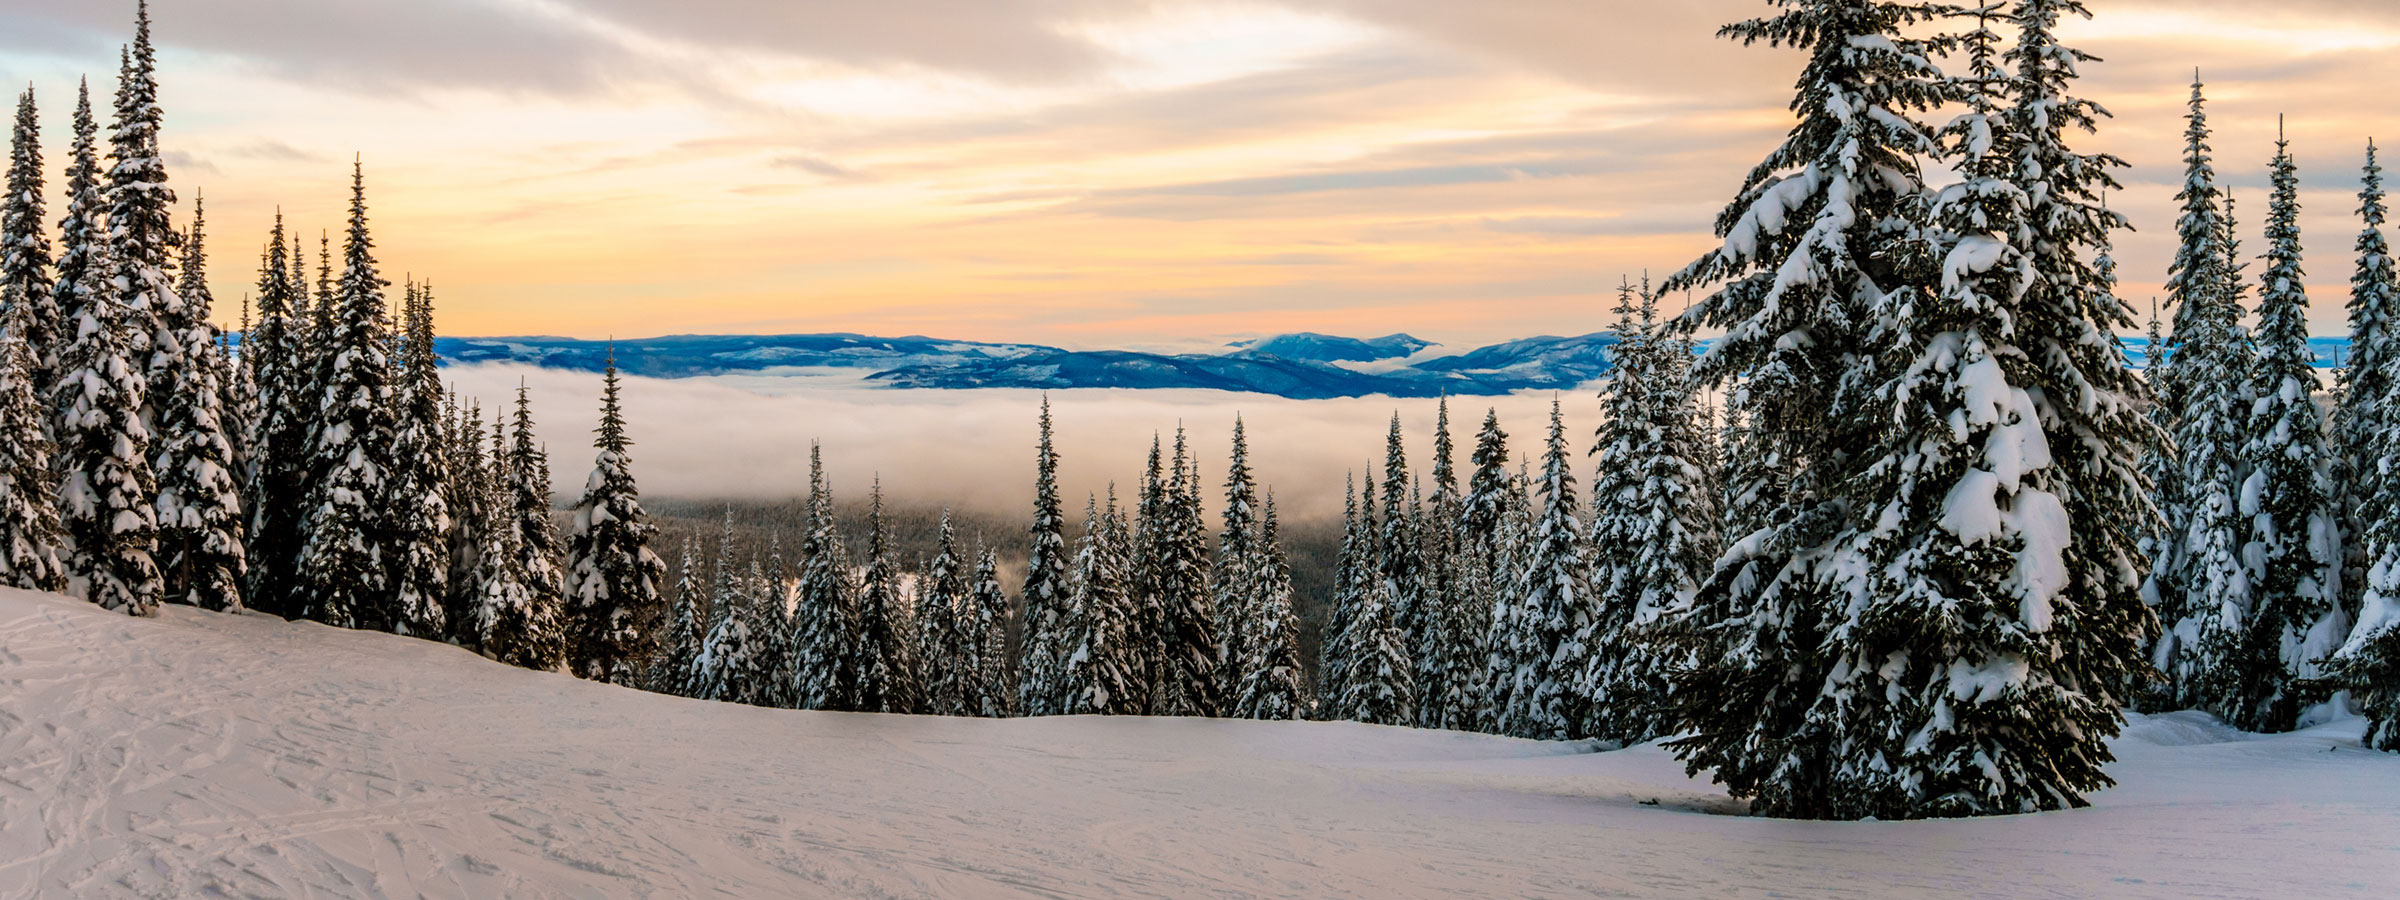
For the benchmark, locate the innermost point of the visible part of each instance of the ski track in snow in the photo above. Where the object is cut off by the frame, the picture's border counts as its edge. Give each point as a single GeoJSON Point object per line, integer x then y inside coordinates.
{"type": "Point", "coordinates": [210, 755]}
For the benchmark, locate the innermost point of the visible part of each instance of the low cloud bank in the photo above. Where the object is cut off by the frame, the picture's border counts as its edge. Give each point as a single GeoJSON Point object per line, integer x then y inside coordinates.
{"type": "Point", "coordinates": [748, 437]}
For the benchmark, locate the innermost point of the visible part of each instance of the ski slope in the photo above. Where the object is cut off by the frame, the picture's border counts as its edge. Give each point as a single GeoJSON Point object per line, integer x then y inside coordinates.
{"type": "Point", "coordinates": [210, 755]}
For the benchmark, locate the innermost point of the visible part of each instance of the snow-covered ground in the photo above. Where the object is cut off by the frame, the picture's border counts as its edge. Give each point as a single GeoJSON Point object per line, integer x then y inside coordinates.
{"type": "Point", "coordinates": [208, 755]}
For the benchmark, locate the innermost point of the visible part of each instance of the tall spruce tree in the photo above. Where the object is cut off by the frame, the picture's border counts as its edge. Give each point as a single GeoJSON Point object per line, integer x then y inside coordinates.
{"type": "Point", "coordinates": [991, 692]}
{"type": "Point", "coordinates": [470, 501]}
{"type": "Point", "coordinates": [1374, 686]}
{"type": "Point", "coordinates": [1187, 682]}
{"type": "Point", "coordinates": [1236, 574]}
{"type": "Point", "coordinates": [201, 535]}
{"type": "Point", "coordinates": [1440, 700]}
{"type": "Point", "coordinates": [505, 621]}
{"type": "Point", "coordinates": [2293, 546]}
{"type": "Point", "coordinates": [613, 598]}
{"type": "Point", "coordinates": [106, 489]}
{"type": "Point", "coordinates": [1273, 684]}
{"type": "Point", "coordinates": [1484, 564]}
{"type": "Point", "coordinates": [25, 263]}
{"type": "Point", "coordinates": [1979, 673]}
{"type": "Point", "coordinates": [1399, 553]}
{"type": "Point", "coordinates": [277, 442]}
{"type": "Point", "coordinates": [826, 622]}
{"type": "Point", "coordinates": [2370, 409]}
{"type": "Point", "coordinates": [1820, 231]}
{"type": "Point", "coordinates": [888, 663]}
{"type": "Point", "coordinates": [418, 539]}
{"type": "Point", "coordinates": [344, 577]}
{"type": "Point", "coordinates": [1096, 668]}
{"type": "Point", "coordinates": [1046, 586]}
{"type": "Point", "coordinates": [1146, 634]}
{"type": "Point", "coordinates": [30, 533]}
{"type": "Point", "coordinates": [942, 613]}
{"type": "Point", "coordinates": [528, 498]}
{"type": "Point", "coordinates": [728, 667]}
{"type": "Point", "coordinates": [680, 634]}
{"type": "Point", "coordinates": [1550, 638]}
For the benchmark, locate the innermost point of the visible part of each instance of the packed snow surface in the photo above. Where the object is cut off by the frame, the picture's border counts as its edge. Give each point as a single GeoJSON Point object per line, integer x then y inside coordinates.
{"type": "Point", "coordinates": [210, 755]}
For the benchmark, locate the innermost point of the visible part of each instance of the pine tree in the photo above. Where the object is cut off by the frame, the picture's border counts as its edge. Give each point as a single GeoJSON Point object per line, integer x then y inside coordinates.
{"type": "Point", "coordinates": [613, 598]}
{"type": "Point", "coordinates": [1484, 564]}
{"type": "Point", "coordinates": [888, 665]}
{"type": "Point", "coordinates": [1046, 587]}
{"type": "Point", "coordinates": [1145, 636]}
{"type": "Point", "coordinates": [1547, 639]}
{"type": "Point", "coordinates": [277, 438]}
{"type": "Point", "coordinates": [141, 231]}
{"type": "Point", "coordinates": [528, 496]}
{"type": "Point", "coordinates": [470, 502]}
{"type": "Point", "coordinates": [1094, 674]}
{"type": "Point", "coordinates": [1397, 545]}
{"type": "Point", "coordinates": [1187, 683]}
{"type": "Point", "coordinates": [1441, 699]}
{"type": "Point", "coordinates": [1998, 616]}
{"type": "Point", "coordinates": [1374, 686]}
{"type": "Point", "coordinates": [344, 578]}
{"type": "Point", "coordinates": [1237, 571]}
{"type": "Point", "coordinates": [1820, 230]}
{"type": "Point", "coordinates": [991, 691]}
{"type": "Point", "coordinates": [30, 533]}
{"type": "Point", "coordinates": [2369, 411]}
{"type": "Point", "coordinates": [505, 622]}
{"type": "Point", "coordinates": [1273, 685]}
{"type": "Point", "coordinates": [25, 264]}
{"type": "Point", "coordinates": [827, 621]}
{"type": "Point", "coordinates": [1651, 537]}
{"type": "Point", "coordinates": [106, 488]}
{"type": "Point", "coordinates": [201, 537]}
{"type": "Point", "coordinates": [729, 668]}
{"type": "Point", "coordinates": [942, 614]}
{"type": "Point", "coordinates": [2293, 544]}
{"type": "Point", "coordinates": [680, 635]}
{"type": "Point", "coordinates": [418, 541]}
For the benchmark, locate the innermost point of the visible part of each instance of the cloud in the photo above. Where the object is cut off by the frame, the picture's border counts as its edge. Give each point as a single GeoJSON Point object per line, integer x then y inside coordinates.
{"type": "Point", "coordinates": [749, 437]}
{"type": "Point", "coordinates": [815, 166]}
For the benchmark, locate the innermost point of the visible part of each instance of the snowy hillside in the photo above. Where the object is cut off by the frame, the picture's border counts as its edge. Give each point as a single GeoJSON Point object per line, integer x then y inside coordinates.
{"type": "Point", "coordinates": [199, 754]}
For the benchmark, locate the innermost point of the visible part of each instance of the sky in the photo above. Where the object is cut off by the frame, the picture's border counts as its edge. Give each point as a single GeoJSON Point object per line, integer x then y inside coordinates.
{"type": "Point", "coordinates": [1086, 173]}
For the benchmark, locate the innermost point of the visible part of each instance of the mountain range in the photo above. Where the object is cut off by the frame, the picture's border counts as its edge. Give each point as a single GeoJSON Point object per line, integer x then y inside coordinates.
{"type": "Point", "coordinates": [1303, 366]}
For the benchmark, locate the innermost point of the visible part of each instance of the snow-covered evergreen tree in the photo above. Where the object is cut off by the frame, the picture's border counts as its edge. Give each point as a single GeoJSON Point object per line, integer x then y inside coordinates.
{"type": "Point", "coordinates": [1374, 685]}
{"type": "Point", "coordinates": [201, 535]}
{"type": "Point", "coordinates": [942, 615]}
{"type": "Point", "coordinates": [30, 533]}
{"type": "Point", "coordinates": [1236, 574]}
{"type": "Point", "coordinates": [1096, 669]}
{"type": "Point", "coordinates": [1187, 682]}
{"type": "Point", "coordinates": [679, 636]}
{"type": "Point", "coordinates": [25, 274]}
{"type": "Point", "coordinates": [1397, 547]}
{"type": "Point", "coordinates": [2293, 546]}
{"type": "Point", "coordinates": [1484, 564]}
{"type": "Point", "coordinates": [344, 576]}
{"type": "Point", "coordinates": [1145, 636]}
{"type": "Point", "coordinates": [1652, 528]}
{"type": "Point", "coordinates": [888, 665]}
{"type": "Point", "coordinates": [1997, 613]}
{"type": "Point", "coordinates": [729, 667]}
{"type": "Point", "coordinates": [2369, 412]}
{"type": "Point", "coordinates": [1046, 642]}
{"type": "Point", "coordinates": [106, 489]}
{"type": "Point", "coordinates": [470, 501]}
{"type": "Point", "coordinates": [613, 598]}
{"type": "Point", "coordinates": [1821, 230]}
{"type": "Point", "coordinates": [991, 691]}
{"type": "Point", "coordinates": [418, 540]}
{"type": "Point", "coordinates": [826, 623]}
{"type": "Point", "coordinates": [275, 354]}
{"type": "Point", "coordinates": [1273, 685]}
{"type": "Point", "coordinates": [1440, 698]}
{"type": "Point", "coordinates": [528, 497]}
{"type": "Point", "coordinates": [1546, 642]}
{"type": "Point", "coordinates": [505, 621]}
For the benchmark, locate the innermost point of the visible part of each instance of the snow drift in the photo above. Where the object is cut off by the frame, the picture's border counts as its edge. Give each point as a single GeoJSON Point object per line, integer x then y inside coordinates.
{"type": "Point", "coordinates": [201, 754]}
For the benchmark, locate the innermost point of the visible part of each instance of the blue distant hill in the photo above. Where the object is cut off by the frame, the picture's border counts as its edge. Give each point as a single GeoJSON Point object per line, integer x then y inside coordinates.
{"type": "Point", "coordinates": [1300, 366]}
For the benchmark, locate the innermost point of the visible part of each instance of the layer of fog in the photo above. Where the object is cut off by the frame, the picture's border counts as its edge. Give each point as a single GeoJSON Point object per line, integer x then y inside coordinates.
{"type": "Point", "coordinates": [748, 437]}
